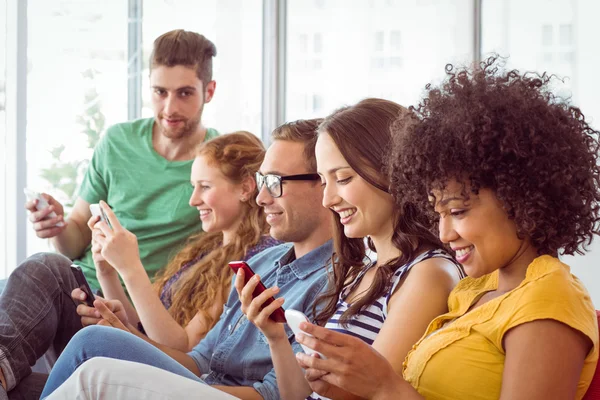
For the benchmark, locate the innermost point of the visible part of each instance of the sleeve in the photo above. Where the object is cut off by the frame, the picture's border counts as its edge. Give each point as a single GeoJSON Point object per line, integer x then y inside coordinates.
{"type": "Point", "coordinates": [552, 297]}
{"type": "Point", "coordinates": [94, 187]}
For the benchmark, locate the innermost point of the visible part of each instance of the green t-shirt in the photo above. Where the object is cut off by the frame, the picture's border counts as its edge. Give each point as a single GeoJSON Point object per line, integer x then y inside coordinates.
{"type": "Point", "coordinates": [147, 193]}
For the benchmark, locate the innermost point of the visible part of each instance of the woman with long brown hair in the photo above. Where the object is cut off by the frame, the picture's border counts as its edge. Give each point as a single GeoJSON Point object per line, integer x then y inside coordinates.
{"type": "Point", "coordinates": [187, 297]}
{"type": "Point", "coordinates": [387, 302]}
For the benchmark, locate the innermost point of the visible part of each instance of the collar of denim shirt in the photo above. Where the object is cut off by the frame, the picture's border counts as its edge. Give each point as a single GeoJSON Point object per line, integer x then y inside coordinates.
{"type": "Point", "coordinates": [309, 263]}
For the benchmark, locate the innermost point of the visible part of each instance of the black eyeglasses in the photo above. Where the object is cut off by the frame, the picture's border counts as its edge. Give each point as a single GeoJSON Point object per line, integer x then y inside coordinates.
{"type": "Point", "coordinates": [273, 182]}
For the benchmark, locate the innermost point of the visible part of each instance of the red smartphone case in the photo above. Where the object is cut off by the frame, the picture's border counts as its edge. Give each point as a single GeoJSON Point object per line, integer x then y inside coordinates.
{"type": "Point", "coordinates": [279, 314]}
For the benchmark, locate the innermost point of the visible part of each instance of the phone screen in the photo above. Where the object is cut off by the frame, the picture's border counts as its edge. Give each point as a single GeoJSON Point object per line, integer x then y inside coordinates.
{"type": "Point", "coordinates": [277, 315]}
{"type": "Point", "coordinates": [83, 284]}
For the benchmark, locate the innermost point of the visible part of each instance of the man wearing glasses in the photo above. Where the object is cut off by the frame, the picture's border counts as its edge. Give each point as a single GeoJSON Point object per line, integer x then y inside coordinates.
{"type": "Point", "coordinates": [234, 356]}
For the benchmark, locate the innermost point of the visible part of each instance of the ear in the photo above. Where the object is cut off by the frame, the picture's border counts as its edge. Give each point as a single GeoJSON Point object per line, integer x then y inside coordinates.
{"type": "Point", "coordinates": [209, 91]}
{"type": "Point", "coordinates": [248, 187]}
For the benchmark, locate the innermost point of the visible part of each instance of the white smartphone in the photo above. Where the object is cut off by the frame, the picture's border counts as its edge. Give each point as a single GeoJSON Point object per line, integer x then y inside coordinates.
{"type": "Point", "coordinates": [97, 211]}
{"type": "Point", "coordinates": [42, 203]}
{"type": "Point", "coordinates": [294, 318]}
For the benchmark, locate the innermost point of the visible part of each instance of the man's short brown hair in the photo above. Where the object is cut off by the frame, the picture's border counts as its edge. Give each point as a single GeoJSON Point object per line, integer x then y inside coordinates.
{"type": "Point", "coordinates": [190, 49]}
{"type": "Point", "coordinates": [302, 130]}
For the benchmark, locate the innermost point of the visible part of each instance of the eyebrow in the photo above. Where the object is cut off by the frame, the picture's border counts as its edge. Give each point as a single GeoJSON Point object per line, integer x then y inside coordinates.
{"type": "Point", "coordinates": [272, 173]}
{"type": "Point", "coordinates": [444, 202]}
{"type": "Point", "coordinates": [178, 89]}
{"type": "Point", "coordinates": [336, 169]}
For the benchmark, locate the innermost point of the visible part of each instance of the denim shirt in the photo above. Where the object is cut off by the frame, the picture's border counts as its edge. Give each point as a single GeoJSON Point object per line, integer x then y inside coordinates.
{"type": "Point", "coordinates": [235, 352]}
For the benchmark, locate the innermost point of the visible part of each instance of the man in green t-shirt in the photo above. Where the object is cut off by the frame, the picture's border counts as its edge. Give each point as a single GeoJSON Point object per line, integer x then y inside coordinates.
{"type": "Point", "coordinates": [142, 168]}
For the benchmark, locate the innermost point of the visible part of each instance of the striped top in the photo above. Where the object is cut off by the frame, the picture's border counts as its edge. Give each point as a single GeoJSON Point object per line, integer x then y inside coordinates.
{"type": "Point", "coordinates": [367, 324]}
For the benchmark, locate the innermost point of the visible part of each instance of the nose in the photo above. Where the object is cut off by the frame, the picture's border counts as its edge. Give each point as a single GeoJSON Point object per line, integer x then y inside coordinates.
{"type": "Point", "coordinates": [264, 198]}
{"type": "Point", "coordinates": [446, 228]}
{"type": "Point", "coordinates": [170, 107]}
{"type": "Point", "coordinates": [330, 196]}
{"type": "Point", "coordinates": [196, 198]}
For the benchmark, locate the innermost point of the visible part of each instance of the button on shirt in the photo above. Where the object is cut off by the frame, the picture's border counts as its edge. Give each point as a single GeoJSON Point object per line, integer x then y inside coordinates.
{"type": "Point", "coordinates": [235, 352]}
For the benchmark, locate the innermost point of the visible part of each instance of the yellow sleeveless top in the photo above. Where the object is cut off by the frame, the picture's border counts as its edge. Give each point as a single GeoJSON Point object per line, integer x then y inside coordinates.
{"type": "Point", "coordinates": [464, 358]}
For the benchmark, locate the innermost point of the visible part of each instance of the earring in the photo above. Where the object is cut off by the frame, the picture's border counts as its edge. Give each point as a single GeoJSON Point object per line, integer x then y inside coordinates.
{"type": "Point", "coordinates": [243, 198]}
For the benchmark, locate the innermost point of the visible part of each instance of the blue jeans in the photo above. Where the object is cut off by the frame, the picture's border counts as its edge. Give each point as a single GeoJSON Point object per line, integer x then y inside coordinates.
{"type": "Point", "coordinates": [101, 341]}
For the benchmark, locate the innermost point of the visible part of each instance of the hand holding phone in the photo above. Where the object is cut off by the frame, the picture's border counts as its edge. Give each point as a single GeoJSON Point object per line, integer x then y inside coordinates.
{"type": "Point", "coordinates": [97, 211]}
{"type": "Point", "coordinates": [279, 314]}
{"type": "Point", "coordinates": [294, 318]}
{"type": "Point", "coordinates": [42, 203]}
{"type": "Point", "coordinates": [83, 284]}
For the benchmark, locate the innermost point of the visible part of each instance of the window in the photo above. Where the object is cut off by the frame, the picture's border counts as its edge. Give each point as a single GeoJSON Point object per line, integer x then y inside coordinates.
{"type": "Point", "coordinates": [566, 35]}
{"type": "Point", "coordinates": [379, 41]}
{"type": "Point", "coordinates": [235, 27]}
{"type": "Point", "coordinates": [76, 87]}
{"type": "Point", "coordinates": [564, 45]}
{"type": "Point", "coordinates": [371, 53]}
{"type": "Point", "coordinates": [547, 35]}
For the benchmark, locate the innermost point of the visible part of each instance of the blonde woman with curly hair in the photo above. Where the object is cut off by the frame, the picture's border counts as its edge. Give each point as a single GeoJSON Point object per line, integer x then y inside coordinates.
{"type": "Point", "coordinates": [187, 296]}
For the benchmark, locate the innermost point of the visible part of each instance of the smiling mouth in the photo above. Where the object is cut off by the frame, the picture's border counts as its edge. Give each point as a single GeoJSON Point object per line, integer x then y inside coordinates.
{"type": "Point", "coordinates": [463, 254]}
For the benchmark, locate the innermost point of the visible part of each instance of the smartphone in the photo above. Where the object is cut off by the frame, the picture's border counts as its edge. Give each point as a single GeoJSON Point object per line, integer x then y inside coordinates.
{"type": "Point", "coordinates": [83, 284]}
{"type": "Point", "coordinates": [277, 315]}
{"type": "Point", "coordinates": [97, 211]}
{"type": "Point", "coordinates": [42, 203]}
{"type": "Point", "coordinates": [294, 318]}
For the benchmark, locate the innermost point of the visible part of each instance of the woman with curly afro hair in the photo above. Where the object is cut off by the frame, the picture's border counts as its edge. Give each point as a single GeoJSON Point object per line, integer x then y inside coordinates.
{"type": "Point", "coordinates": [510, 174]}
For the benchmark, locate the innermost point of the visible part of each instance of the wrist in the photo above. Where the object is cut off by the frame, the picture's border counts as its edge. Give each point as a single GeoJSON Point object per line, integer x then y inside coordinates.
{"type": "Point", "coordinates": [132, 273]}
{"type": "Point", "coordinates": [392, 388]}
{"type": "Point", "coordinates": [276, 341]}
{"type": "Point", "coordinates": [106, 273]}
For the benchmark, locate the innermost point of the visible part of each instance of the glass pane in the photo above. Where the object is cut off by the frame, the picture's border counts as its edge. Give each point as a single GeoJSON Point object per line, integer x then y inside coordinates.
{"type": "Point", "coordinates": [558, 37]}
{"type": "Point", "coordinates": [554, 36]}
{"type": "Point", "coordinates": [77, 86]}
{"type": "Point", "coordinates": [370, 48]}
{"type": "Point", "coordinates": [235, 27]}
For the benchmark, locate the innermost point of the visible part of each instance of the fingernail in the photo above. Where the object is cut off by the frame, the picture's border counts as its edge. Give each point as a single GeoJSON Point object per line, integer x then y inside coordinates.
{"type": "Point", "coordinates": [275, 288]}
{"type": "Point", "coordinates": [239, 272]}
{"type": "Point", "coordinates": [300, 337]}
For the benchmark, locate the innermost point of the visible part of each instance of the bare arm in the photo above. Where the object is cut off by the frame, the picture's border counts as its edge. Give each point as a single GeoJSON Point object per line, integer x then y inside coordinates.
{"type": "Point", "coordinates": [76, 236]}
{"type": "Point", "coordinates": [158, 323]}
{"type": "Point", "coordinates": [113, 290]}
{"type": "Point", "coordinates": [544, 360]}
{"type": "Point", "coordinates": [120, 249]}
{"type": "Point", "coordinates": [418, 300]}
{"type": "Point", "coordinates": [421, 297]}
{"type": "Point", "coordinates": [243, 392]}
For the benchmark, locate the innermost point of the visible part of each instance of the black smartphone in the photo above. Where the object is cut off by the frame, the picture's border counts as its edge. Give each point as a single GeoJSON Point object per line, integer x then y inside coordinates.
{"type": "Point", "coordinates": [83, 284]}
{"type": "Point", "coordinates": [277, 315]}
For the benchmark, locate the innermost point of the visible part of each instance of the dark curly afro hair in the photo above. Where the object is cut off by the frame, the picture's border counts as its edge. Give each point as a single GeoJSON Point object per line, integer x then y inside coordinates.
{"type": "Point", "coordinates": [507, 132]}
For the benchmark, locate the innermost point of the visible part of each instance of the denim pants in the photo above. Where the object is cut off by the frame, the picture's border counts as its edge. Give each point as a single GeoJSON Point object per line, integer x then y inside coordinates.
{"type": "Point", "coordinates": [102, 341]}
{"type": "Point", "coordinates": [37, 316]}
